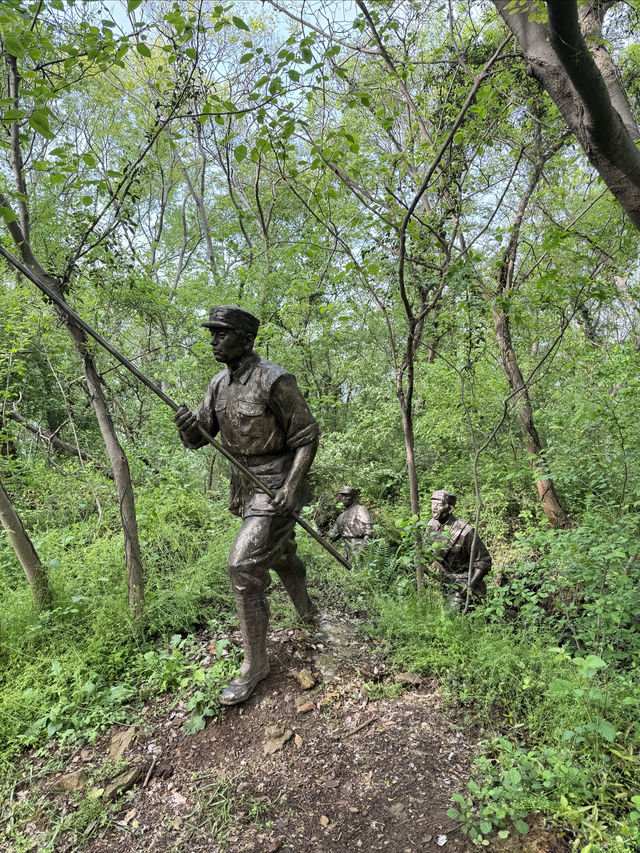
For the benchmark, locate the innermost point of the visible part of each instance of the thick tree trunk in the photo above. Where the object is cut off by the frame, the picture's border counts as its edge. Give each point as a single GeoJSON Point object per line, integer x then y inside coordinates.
{"type": "Point", "coordinates": [546, 490]}
{"type": "Point", "coordinates": [586, 90]}
{"type": "Point", "coordinates": [25, 552]}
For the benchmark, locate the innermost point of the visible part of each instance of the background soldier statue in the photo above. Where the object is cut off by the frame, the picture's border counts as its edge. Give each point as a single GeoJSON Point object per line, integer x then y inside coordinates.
{"type": "Point", "coordinates": [354, 525]}
{"type": "Point", "coordinates": [453, 558]}
{"type": "Point", "coordinates": [264, 420]}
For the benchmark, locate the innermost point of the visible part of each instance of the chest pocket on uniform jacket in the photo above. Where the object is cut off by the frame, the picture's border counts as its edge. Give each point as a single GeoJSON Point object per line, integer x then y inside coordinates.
{"type": "Point", "coordinates": [250, 417]}
{"type": "Point", "coordinates": [220, 410]}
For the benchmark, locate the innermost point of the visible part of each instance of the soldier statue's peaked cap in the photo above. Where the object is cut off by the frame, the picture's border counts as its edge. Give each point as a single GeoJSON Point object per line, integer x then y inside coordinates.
{"type": "Point", "coordinates": [232, 317]}
{"type": "Point", "coordinates": [446, 497]}
{"type": "Point", "coordinates": [347, 490]}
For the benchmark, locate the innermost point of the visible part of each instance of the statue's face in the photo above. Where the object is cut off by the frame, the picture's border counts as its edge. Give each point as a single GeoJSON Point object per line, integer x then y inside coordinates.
{"type": "Point", "coordinates": [440, 510]}
{"type": "Point", "coordinates": [347, 499]}
{"type": "Point", "coordinates": [227, 344]}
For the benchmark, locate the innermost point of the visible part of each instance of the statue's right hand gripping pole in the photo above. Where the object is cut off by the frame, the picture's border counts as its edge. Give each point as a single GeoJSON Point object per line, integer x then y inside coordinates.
{"type": "Point", "coordinates": [186, 420]}
{"type": "Point", "coordinates": [264, 488]}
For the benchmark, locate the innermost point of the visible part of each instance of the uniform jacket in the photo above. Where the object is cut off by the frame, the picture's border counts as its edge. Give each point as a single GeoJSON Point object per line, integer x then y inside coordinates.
{"type": "Point", "coordinates": [262, 419]}
{"type": "Point", "coordinates": [354, 525]}
{"type": "Point", "coordinates": [456, 547]}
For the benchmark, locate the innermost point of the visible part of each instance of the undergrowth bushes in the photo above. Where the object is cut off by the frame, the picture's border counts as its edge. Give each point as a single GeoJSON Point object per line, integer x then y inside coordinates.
{"type": "Point", "coordinates": [69, 672]}
{"type": "Point", "coordinates": [547, 670]}
{"type": "Point", "coordinates": [582, 581]}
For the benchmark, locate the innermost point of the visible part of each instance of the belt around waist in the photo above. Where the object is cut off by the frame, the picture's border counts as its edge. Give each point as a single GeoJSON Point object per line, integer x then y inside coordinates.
{"type": "Point", "coordinates": [251, 460]}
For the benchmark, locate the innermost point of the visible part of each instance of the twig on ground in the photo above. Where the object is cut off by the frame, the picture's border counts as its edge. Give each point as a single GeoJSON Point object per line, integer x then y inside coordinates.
{"type": "Point", "coordinates": [149, 772]}
{"type": "Point", "coordinates": [350, 732]}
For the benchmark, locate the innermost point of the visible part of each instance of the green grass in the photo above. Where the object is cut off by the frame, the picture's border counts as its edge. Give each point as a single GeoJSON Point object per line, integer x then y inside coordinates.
{"type": "Point", "coordinates": [559, 728]}
{"type": "Point", "coordinates": [560, 731]}
{"type": "Point", "coordinates": [70, 672]}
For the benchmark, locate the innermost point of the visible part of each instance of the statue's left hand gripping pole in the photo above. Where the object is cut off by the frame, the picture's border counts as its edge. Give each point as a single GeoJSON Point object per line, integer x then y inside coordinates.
{"type": "Point", "coordinates": [57, 300]}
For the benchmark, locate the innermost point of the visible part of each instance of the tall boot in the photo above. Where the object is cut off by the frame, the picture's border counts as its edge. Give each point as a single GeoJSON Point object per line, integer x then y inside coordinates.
{"type": "Point", "coordinates": [294, 579]}
{"type": "Point", "coordinates": [253, 614]}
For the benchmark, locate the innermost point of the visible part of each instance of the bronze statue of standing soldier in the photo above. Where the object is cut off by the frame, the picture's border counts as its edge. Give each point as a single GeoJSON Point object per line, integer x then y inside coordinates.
{"type": "Point", "coordinates": [265, 422]}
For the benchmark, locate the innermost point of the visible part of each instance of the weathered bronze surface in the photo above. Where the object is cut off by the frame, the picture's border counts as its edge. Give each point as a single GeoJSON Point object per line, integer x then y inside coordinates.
{"type": "Point", "coordinates": [264, 420]}
{"type": "Point", "coordinates": [453, 557]}
{"type": "Point", "coordinates": [354, 525]}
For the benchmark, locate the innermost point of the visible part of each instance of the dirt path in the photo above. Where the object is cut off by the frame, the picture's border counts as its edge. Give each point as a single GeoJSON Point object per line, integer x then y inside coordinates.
{"type": "Point", "coordinates": [347, 773]}
{"type": "Point", "coordinates": [334, 753]}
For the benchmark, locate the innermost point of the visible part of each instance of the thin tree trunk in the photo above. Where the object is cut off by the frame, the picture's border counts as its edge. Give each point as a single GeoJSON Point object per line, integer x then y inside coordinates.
{"type": "Point", "coordinates": [117, 457]}
{"type": "Point", "coordinates": [404, 393]}
{"type": "Point", "coordinates": [13, 83]}
{"type": "Point", "coordinates": [623, 288]}
{"type": "Point", "coordinates": [404, 390]}
{"type": "Point", "coordinates": [19, 232]}
{"type": "Point", "coordinates": [57, 443]}
{"type": "Point", "coordinates": [409, 444]}
{"type": "Point", "coordinates": [500, 313]}
{"type": "Point", "coordinates": [25, 552]}
{"type": "Point", "coordinates": [586, 321]}
{"type": "Point", "coordinates": [414, 498]}
{"type": "Point", "coordinates": [205, 227]}
{"type": "Point", "coordinates": [546, 490]}
{"type": "Point", "coordinates": [121, 474]}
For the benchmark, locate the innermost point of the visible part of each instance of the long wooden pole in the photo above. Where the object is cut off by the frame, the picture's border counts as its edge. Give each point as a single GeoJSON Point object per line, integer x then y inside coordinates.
{"type": "Point", "coordinates": [53, 296]}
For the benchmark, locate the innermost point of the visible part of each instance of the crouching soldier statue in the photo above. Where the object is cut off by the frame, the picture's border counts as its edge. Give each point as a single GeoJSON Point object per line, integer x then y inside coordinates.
{"type": "Point", "coordinates": [354, 525]}
{"type": "Point", "coordinates": [452, 558]}
{"type": "Point", "coordinates": [265, 422]}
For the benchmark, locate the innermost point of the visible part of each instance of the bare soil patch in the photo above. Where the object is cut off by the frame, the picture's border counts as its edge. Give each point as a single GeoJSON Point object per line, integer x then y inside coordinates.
{"type": "Point", "coordinates": [333, 752]}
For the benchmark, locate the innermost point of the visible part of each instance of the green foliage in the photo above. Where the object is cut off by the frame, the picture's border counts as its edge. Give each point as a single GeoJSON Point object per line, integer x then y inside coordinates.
{"type": "Point", "coordinates": [584, 775]}
{"type": "Point", "coordinates": [70, 672]}
{"type": "Point", "coordinates": [571, 722]}
{"type": "Point", "coordinates": [584, 580]}
{"type": "Point", "coordinates": [179, 671]}
{"type": "Point", "coordinates": [194, 160]}
{"type": "Point", "coordinates": [509, 782]}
